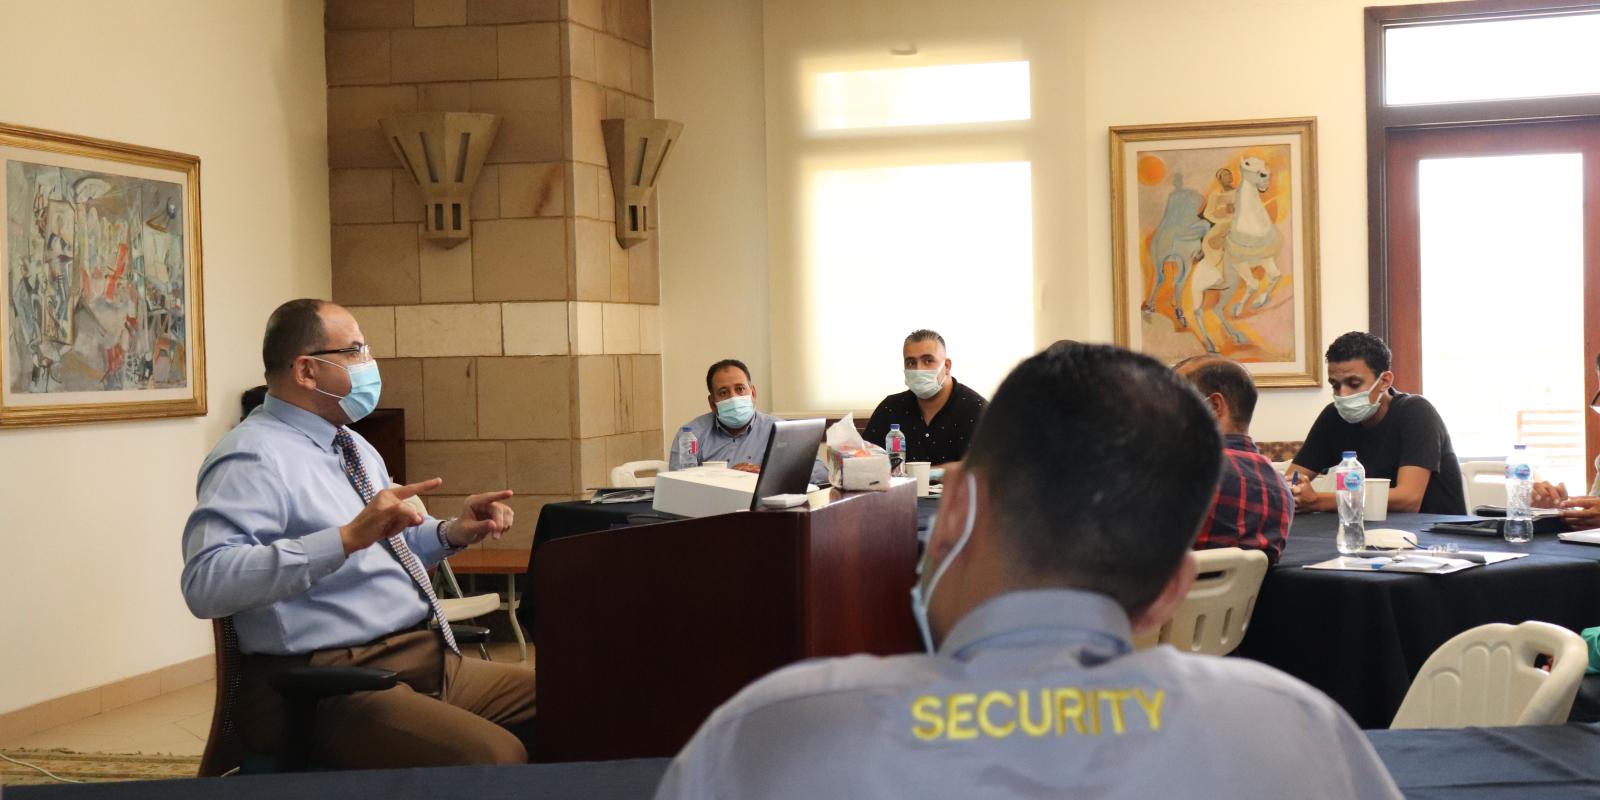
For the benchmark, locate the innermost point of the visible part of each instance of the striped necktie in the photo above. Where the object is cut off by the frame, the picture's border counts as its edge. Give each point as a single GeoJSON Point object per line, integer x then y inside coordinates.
{"type": "Point", "coordinates": [357, 473]}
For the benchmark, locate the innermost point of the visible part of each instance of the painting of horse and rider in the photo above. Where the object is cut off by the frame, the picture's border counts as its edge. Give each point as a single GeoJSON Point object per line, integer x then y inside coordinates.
{"type": "Point", "coordinates": [1215, 244]}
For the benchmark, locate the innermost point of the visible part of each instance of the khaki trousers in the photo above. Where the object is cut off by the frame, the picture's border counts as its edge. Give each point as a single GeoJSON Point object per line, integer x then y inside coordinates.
{"type": "Point", "coordinates": [445, 711]}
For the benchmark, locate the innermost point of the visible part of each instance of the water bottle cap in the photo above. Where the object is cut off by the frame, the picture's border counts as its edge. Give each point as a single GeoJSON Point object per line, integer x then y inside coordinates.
{"type": "Point", "coordinates": [894, 427]}
{"type": "Point", "coordinates": [687, 429]}
{"type": "Point", "coordinates": [1520, 447]}
{"type": "Point", "coordinates": [1349, 454]}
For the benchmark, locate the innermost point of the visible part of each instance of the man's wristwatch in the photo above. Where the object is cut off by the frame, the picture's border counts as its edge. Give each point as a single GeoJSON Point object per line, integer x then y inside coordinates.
{"type": "Point", "coordinates": [444, 534]}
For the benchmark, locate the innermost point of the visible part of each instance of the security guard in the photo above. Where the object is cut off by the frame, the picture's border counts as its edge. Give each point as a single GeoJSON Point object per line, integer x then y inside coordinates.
{"type": "Point", "coordinates": [1068, 530]}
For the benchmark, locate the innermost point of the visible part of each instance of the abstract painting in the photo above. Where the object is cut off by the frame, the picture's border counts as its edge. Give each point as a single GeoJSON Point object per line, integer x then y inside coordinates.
{"type": "Point", "coordinates": [1214, 231]}
{"type": "Point", "coordinates": [100, 307]}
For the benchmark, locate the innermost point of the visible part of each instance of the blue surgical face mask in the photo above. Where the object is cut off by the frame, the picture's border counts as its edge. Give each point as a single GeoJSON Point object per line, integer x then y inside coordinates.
{"type": "Point", "coordinates": [735, 412]}
{"type": "Point", "coordinates": [366, 385]}
{"type": "Point", "coordinates": [920, 598]}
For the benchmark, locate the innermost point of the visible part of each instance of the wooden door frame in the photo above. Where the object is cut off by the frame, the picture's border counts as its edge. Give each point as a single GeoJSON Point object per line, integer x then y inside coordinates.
{"type": "Point", "coordinates": [1382, 120]}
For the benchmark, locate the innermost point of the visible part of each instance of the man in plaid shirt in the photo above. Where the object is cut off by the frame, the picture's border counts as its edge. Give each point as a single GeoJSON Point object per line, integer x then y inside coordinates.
{"type": "Point", "coordinates": [1254, 507]}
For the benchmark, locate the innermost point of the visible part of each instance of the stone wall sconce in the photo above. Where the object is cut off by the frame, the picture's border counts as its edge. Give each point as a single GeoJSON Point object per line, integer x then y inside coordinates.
{"type": "Point", "coordinates": [636, 149]}
{"type": "Point", "coordinates": [444, 152]}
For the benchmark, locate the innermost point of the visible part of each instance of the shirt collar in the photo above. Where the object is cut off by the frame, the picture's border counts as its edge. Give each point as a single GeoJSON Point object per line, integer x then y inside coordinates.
{"type": "Point", "coordinates": [1239, 441]}
{"type": "Point", "coordinates": [1041, 613]}
{"type": "Point", "coordinates": [314, 427]}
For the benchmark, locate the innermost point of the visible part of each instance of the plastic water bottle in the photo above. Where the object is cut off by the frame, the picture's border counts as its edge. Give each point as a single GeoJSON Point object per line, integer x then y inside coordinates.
{"type": "Point", "coordinates": [896, 445]}
{"type": "Point", "coordinates": [686, 453]}
{"type": "Point", "coordinates": [1349, 482]}
{"type": "Point", "coordinates": [1519, 496]}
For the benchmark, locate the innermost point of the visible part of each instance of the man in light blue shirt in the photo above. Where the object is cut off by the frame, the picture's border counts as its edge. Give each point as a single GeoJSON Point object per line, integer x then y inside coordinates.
{"type": "Point", "coordinates": [734, 431]}
{"type": "Point", "coordinates": [282, 541]}
{"type": "Point", "coordinates": [1047, 557]}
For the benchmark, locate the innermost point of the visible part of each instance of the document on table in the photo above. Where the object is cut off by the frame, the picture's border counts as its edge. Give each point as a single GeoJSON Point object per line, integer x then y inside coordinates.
{"type": "Point", "coordinates": [1428, 564]}
{"type": "Point", "coordinates": [1591, 536]}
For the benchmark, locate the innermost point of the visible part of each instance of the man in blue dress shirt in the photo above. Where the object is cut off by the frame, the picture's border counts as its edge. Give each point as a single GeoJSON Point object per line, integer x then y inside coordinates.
{"type": "Point", "coordinates": [298, 536]}
{"type": "Point", "coordinates": [734, 431]}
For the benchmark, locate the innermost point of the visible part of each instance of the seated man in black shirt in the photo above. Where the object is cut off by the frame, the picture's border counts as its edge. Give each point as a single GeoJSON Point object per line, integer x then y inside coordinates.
{"type": "Point", "coordinates": [936, 413]}
{"type": "Point", "coordinates": [1395, 435]}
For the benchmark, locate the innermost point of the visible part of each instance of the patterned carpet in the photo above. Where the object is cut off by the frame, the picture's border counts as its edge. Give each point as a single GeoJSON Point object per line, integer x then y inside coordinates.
{"type": "Point", "coordinates": [94, 767]}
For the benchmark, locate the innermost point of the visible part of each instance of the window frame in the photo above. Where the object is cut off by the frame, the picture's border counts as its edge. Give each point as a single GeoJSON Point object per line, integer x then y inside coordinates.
{"type": "Point", "coordinates": [1382, 119]}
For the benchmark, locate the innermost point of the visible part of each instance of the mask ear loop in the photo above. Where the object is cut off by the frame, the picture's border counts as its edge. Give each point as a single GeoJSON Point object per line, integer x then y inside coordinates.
{"type": "Point", "coordinates": [966, 535]}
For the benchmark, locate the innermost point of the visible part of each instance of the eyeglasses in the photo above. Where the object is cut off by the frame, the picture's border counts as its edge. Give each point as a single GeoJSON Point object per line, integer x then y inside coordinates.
{"type": "Point", "coordinates": [361, 350]}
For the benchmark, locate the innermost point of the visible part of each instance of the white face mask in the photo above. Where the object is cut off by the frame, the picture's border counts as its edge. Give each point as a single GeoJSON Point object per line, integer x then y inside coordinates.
{"type": "Point", "coordinates": [920, 598]}
{"type": "Point", "coordinates": [1356, 407]}
{"type": "Point", "coordinates": [924, 383]}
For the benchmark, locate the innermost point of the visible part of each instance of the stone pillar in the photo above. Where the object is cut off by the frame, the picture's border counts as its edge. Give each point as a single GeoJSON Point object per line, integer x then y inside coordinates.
{"type": "Point", "coordinates": [529, 356]}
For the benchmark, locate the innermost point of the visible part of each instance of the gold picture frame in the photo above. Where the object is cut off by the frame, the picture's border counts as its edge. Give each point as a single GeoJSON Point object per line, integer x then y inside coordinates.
{"type": "Point", "coordinates": [102, 306]}
{"type": "Point", "coordinates": [1215, 223]}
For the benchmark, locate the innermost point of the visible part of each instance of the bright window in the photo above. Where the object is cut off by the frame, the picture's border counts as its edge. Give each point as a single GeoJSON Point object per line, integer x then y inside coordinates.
{"type": "Point", "coordinates": [916, 96]}
{"type": "Point", "coordinates": [1502, 305]}
{"type": "Point", "coordinates": [1492, 60]}
{"type": "Point", "coordinates": [893, 249]}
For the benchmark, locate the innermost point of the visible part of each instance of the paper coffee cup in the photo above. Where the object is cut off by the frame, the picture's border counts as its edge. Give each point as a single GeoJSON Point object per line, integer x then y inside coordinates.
{"type": "Point", "coordinates": [1377, 499]}
{"type": "Point", "coordinates": [921, 471]}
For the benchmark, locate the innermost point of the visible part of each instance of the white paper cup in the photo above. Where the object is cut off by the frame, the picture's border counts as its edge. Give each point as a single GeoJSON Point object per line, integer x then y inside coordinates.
{"type": "Point", "coordinates": [920, 470]}
{"type": "Point", "coordinates": [715, 465]}
{"type": "Point", "coordinates": [1377, 499]}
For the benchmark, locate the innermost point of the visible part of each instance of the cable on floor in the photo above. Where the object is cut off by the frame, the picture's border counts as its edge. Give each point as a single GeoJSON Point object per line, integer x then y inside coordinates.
{"type": "Point", "coordinates": [46, 772]}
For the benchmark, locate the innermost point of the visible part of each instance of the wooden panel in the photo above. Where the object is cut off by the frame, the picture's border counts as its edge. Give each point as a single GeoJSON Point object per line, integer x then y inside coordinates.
{"type": "Point", "coordinates": [643, 631]}
{"type": "Point", "coordinates": [385, 429]}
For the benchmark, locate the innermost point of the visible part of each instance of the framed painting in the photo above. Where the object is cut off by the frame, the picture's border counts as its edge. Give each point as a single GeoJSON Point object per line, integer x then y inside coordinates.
{"type": "Point", "coordinates": [101, 308]}
{"type": "Point", "coordinates": [1214, 244]}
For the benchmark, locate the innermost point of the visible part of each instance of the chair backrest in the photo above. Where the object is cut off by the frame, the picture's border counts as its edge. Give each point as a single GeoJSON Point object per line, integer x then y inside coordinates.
{"type": "Point", "coordinates": [1480, 492]}
{"type": "Point", "coordinates": [1493, 675]}
{"type": "Point", "coordinates": [628, 474]}
{"type": "Point", "coordinates": [224, 749]}
{"type": "Point", "coordinates": [1214, 617]}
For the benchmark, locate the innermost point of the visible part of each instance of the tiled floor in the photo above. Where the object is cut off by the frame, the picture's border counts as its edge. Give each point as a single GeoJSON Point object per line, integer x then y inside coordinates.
{"type": "Point", "coordinates": [175, 723]}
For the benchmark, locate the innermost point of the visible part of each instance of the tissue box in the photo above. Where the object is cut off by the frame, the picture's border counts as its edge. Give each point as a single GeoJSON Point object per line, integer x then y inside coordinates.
{"type": "Point", "coordinates": [704, 491]}
{"type": "Point", "coordinates": [865, 473]}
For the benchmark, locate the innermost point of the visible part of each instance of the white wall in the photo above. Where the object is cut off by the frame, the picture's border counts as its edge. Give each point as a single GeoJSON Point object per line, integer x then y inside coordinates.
{"type": "Point", "coordinates": [1111, 62]}
{"type": "Point", "coordinates": [713, 199]}
{"type": "Point", "coordinates": [91, 516]}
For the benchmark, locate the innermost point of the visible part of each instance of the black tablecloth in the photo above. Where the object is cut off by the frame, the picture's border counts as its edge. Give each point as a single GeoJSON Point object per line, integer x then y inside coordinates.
{"type": "Point", "coordinates": [1536, 763]}
{"type": "Point", "coordinates": [1471, 764]}
{"type": "Point", "coordinates": [1361, 637]}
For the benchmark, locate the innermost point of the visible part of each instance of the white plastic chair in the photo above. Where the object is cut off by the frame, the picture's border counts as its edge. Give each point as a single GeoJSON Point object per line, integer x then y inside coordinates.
{"type": "Point", "coordinates": [1214, 617]}
{"type": "Point", "coordinates": [1481, 492]}
{"type": "Point", "coordinates": [460, 607]}
{"type": "Point", "coordinates": [628, 475]}
{"type": "Point", "coordinates": [1486, 677]}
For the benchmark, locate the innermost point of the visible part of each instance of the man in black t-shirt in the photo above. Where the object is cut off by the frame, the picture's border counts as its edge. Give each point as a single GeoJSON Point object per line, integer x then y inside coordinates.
{"type": "Point", "coordinates": [1395, 435]}
{"type": "Point", "coordinates": [936, 413]}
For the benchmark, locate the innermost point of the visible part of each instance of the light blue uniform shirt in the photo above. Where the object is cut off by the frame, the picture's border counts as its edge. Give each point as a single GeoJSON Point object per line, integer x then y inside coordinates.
{"type": "Point", "coordinates": [1033, 694]}
{"type": "Point", "coordinates": [747, 446]}
{"type": "Point", "coordinates": [262, 544]}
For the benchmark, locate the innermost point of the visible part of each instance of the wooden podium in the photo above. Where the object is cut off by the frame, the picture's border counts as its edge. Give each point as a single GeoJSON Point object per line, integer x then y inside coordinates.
{"type": "Point", "coordinates": [643, 631]}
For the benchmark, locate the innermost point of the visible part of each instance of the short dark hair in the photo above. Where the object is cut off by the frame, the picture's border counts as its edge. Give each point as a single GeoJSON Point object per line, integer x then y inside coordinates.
{"type": "Point", "coordinates": [925, 335]}
{"type": "Point", "coordinates": [294, 329]}
{"type": "Point", "coordinates": [1224, 376]}
{"type": "Point", "coordinates": [1362, 345]}
{"type": "Point", "coordinates": [1100, 464]}
{"type": "Point", "coordinates": [250, 399]}
{"type": "Point", "coordinates": [722, 365]}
